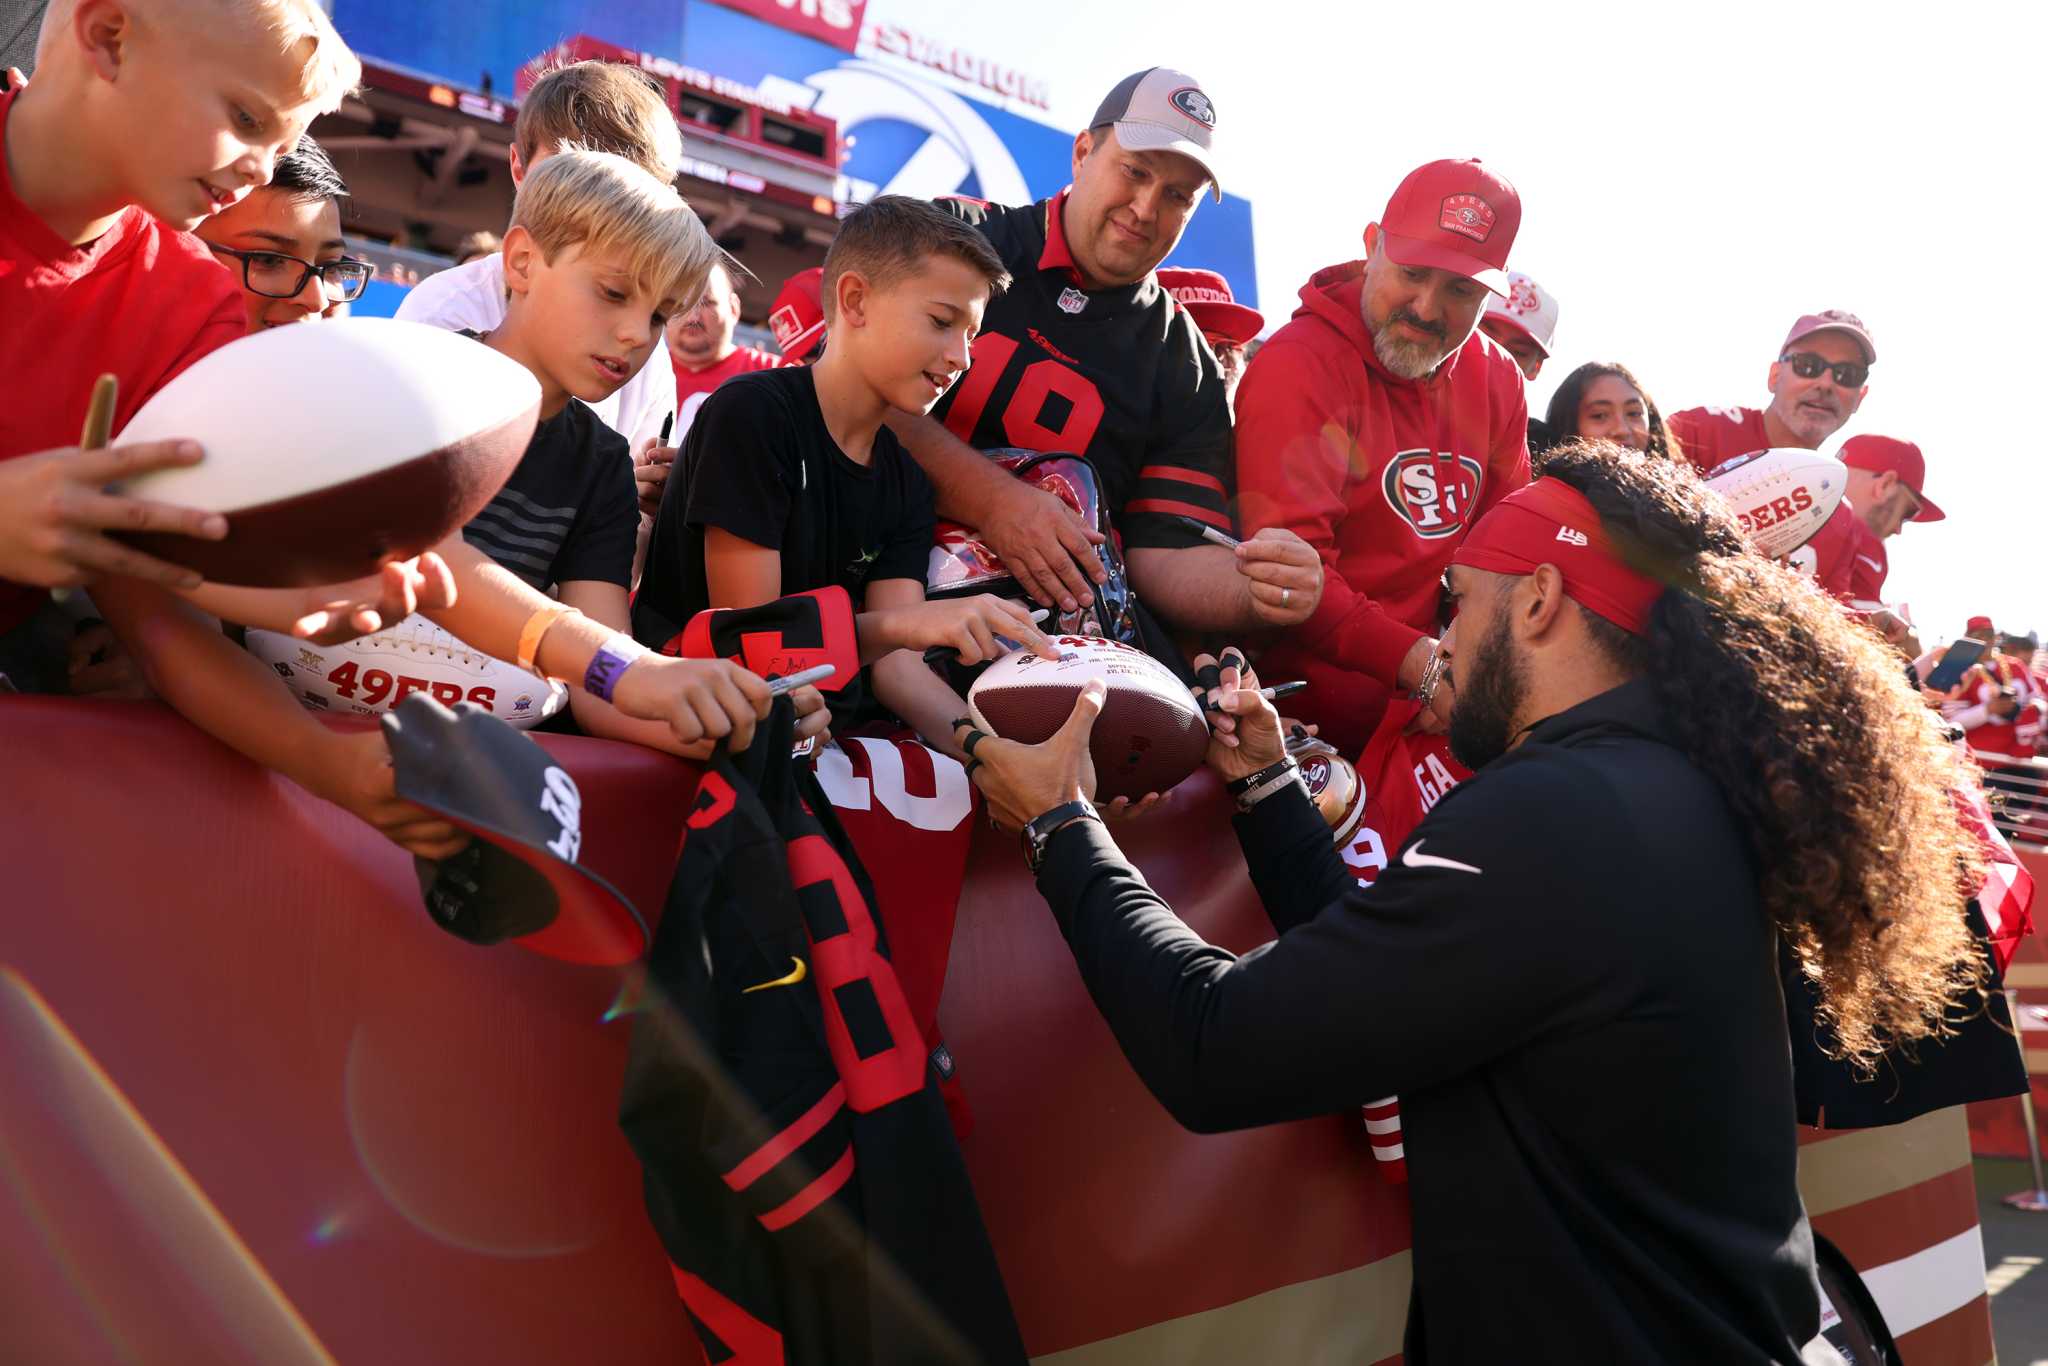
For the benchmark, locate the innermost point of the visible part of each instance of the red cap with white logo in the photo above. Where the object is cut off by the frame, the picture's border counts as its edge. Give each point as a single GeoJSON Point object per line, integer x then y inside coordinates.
{"type": "Point", "coordinates": [1456, 216]}
{"type": "Point", "coordinates": [1877, 454]}
{"type": "Point", "coordinates": [1527, 307]}
{"type": "Point", "coordinates": [1833, 320]}
{"type": "Point", "coordinates": [1208, 300]}
{"type": "Point", "coordinates": [798, 318]}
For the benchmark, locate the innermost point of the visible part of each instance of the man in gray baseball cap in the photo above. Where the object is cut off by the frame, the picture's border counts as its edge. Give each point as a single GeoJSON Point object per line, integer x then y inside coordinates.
{"type": "Point", "coordinates": [1086, 353]}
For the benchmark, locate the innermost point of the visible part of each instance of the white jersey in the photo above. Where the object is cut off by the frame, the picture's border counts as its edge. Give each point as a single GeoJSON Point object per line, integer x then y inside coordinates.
{"type": "Point", "coordinates": [472, 298]}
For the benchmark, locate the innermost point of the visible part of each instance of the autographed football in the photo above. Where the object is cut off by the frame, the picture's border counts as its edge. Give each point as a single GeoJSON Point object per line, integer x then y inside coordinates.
{"type": "Point", "coordinates": [1782, 496]}
{"type": "Point", "coordinates": [371, 675]}
{"type": "Point", "coordinates": [1151, 733]}
{"type": "Point", "coordinates": [334, 449]}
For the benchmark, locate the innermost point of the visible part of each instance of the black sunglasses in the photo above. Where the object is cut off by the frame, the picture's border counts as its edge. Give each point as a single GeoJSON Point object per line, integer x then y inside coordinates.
{"type": "Point", "coordinates": [275, 275]}
{"type": "Point", "coordinates": [1850, 374]}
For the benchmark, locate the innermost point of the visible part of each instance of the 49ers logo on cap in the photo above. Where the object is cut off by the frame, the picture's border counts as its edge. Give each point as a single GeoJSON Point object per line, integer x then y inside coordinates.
{"type": "Point", "coordinates": [1432, 495]}
{"type": "Point", "coordinates": [1195, 105]}
{"type": "Point", "coordinates": [1467, 215]}
{"type": "Point", "coordinates": [785, 324]}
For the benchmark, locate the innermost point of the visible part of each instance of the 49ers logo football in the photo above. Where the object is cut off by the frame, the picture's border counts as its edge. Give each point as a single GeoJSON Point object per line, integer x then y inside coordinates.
{"type": "Point", "coordinates": [1435, 496]}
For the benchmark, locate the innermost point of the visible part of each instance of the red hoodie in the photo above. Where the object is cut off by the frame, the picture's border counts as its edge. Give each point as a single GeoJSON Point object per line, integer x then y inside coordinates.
{"type": "Point", "coordinates": [1382, 476]}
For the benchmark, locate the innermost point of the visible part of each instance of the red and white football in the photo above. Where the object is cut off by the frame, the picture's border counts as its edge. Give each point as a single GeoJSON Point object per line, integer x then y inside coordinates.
{"type": "Point", "coordinates": [372, 674]}
{"type": "Point", "coordinates": [1781, 496]}
{"type": "Point", "coordinates": [334, 448]}
{"type": "Point", "coordinates": [1151, 733]}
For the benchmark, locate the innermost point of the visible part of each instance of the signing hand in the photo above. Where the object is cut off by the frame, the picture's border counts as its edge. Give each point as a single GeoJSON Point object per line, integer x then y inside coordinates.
{"type": "Point", "coordinates": [1283, 577]}
{"type": "Point", "coordinates": [698, 698]}
{"type": "Point", "coordinates": [651, 466]}
{"type": "Point", "coordinates": [361, 607]}
{"type": "Point", "coordinates": [1023, 782]}
{"type": "Point", "coordinates": [967, 625]}
{"type": "Point", "coordinates": [1047, 546]}
{"type": "Point", "coordinates": [55, 513]}
{"type": "Point", "coordinates": [1245, 734]}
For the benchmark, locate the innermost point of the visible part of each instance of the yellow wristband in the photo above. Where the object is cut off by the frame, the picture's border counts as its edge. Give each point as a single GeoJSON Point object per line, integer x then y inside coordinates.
{"type": "Point", "coordinates": [536, 627]}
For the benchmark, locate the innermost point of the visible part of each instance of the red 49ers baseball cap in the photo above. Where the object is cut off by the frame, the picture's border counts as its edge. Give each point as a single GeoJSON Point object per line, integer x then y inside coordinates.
{"type": "Point", "coordinates": [1206, 296]}
{"type": "Point", "coordinates": [1456, 216]}
{"type": "Point", "coordinates": [1880, 453]}
{"type": "Point", "coordinates": [798, 318]}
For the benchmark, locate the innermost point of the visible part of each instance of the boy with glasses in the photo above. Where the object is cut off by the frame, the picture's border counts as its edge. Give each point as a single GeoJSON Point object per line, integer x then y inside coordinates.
{"type": "Point", "coordinates": [283, 243]}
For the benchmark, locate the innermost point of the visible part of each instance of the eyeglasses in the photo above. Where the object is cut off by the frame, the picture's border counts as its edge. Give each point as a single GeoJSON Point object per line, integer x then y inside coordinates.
{"type": "Point", "coordinates": [1850, 374]}
{"type": "Point", "coordinates": [275, 275]}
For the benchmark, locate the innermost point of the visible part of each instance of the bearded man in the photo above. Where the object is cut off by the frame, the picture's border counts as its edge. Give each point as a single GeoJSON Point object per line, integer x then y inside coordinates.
{"type": "Point", "coordinates": [1377, 425]}
{"type": "Point", "coordinates": [1570, 970]}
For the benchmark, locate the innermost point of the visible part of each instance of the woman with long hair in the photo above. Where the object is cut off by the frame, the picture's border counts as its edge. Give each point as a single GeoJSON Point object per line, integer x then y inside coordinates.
{"type": "Point", "coordinates": [1604, 401]}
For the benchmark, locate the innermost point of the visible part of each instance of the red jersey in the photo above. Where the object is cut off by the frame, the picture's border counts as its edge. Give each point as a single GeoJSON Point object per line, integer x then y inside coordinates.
{"type": "Point", "coordinates": [141, 302]}
{"type": "Point", "coordinates": [1830, 556]}
{"type": "Point", "coordinates": [1995, 741]}
{"type": "Point", "coordinates": [743, 360]}
{"type": "Point", "coordinates": [1382, 476]}
{"type": "Point", "coordinates": [1712, 435]}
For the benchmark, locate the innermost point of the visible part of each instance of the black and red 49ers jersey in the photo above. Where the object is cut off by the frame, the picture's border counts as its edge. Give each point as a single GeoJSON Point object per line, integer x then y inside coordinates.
{"type": "Point", "coordinates": [1121, 376]}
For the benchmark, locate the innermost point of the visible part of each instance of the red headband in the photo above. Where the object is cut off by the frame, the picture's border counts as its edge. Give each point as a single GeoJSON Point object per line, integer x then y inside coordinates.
{"type": "Point", "coordinates": [1550, 522]}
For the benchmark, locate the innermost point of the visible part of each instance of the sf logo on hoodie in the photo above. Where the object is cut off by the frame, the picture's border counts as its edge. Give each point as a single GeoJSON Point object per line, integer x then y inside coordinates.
{"type": "Point", "coordinates": [1434, 494]}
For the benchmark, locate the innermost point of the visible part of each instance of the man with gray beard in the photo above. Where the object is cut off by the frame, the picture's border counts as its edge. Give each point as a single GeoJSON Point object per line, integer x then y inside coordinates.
{"type": "Point", "coordinates": [1378, 425]}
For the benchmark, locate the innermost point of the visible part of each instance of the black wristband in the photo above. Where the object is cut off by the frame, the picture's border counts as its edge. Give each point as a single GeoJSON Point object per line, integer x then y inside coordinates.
{"type": "Point", "coordinates": [1239, 786]}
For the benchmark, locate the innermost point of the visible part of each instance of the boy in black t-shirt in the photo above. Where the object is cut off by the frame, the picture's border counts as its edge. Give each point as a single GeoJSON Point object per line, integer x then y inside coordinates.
{"type": "Point", "coordinates": [789, 481]}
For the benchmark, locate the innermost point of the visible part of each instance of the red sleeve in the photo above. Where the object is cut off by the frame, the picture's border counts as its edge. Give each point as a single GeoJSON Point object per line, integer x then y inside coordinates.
{"type": "Point", "coordinates": [1507, 464]}
{"type": "Point", "coordinates": [1831, 547]}
{"type": "Point", "coordinates": [1868, 566]}
{"type": "Point", "coordinates": [1294, 453]}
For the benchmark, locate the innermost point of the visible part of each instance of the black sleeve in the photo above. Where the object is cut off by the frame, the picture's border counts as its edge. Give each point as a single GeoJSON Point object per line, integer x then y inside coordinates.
{"type": "Point", "coordinates": [907, 547]}
{"type": "Point", "coordinates": [1192, 465]}
{"type": "Point", "coordinates": [600, 544]}
{"type": "Point", "coordinates": [1294, 863]}
{"type": "Point", "coordinates": [744, 467]}
{"type": "Point", "coordinates": [1433, 971]}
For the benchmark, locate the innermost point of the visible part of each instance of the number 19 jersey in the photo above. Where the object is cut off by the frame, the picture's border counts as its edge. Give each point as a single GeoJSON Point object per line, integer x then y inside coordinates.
{"type": "Point", "coordinates": [1121, 376]}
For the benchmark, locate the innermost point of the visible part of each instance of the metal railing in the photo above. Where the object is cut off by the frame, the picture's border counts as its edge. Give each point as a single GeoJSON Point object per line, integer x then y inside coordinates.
{"type": "Point", "coordinates": [2017, 787]}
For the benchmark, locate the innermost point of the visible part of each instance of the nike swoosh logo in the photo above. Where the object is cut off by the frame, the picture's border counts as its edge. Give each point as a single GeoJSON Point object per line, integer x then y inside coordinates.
{"type": "Point", "coordinates": [1413, 857]}
{"type": "Point", "coordinates": [1872, 563]}
{"type": "Point", "coordinates": [797, 974]}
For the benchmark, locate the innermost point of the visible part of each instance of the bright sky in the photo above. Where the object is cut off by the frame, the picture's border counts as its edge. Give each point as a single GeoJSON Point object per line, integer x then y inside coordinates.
{"type": "Point", "coordinates": [1692, 179]}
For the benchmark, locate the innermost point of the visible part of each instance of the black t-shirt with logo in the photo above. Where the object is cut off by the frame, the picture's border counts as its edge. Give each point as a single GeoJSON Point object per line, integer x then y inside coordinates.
{"type": "Point", "coordinates": [1121, 376]}
{"type": "Point", "coordinates": [760, 463]}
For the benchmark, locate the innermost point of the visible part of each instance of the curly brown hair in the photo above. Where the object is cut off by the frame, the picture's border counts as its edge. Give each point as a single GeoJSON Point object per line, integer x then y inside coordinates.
{"type": "Point", "coordinates": [1840, 775]}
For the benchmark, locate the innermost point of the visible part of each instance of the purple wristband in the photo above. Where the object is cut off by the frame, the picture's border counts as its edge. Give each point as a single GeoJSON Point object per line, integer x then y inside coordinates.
{"type": "Point", "coordinates": [609, 664]}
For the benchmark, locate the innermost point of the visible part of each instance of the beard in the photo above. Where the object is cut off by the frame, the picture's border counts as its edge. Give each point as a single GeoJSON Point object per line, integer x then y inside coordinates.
{"type": "Point", "coordinates": [1490, 688]}
{"type": "Point", "coordinates": [1408, 359]}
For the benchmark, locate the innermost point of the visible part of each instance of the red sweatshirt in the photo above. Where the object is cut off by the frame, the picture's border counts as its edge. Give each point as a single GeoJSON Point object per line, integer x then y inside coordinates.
{"type": "Point", "coordinates": [1382, 476]}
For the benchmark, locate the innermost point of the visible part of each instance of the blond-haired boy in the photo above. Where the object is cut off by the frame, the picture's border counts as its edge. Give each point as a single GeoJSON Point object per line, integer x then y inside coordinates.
{"type": "Point", "coordinates": [603, 107]}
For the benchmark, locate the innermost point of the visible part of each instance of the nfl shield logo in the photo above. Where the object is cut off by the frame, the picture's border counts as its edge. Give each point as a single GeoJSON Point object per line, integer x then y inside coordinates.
{"type": "Point", "coordinates": [1072, 300]}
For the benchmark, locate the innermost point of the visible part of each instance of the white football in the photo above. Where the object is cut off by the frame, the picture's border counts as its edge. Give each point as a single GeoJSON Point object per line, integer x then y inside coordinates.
{"type": "Point", "coordinates": [371, 675]}
{"type": "Point", "coordinates": [1151, 733]}
{"type": "Point", "coordinates": [334, 447]}
{"type": "Point", "coordinates": [1782, 496]}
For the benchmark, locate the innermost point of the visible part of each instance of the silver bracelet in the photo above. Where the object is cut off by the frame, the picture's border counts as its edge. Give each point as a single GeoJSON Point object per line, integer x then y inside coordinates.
{"type": "Point", "coordinates": [1432, 674]}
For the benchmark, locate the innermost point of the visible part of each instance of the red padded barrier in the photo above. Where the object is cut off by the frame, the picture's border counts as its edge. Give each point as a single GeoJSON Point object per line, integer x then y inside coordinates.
{"type": "Point", "coordinates": [415, 1138]}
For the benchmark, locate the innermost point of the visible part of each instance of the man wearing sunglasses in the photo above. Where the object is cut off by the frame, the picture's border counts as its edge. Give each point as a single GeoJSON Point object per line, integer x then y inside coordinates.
{"type": "Point", "coordinates": [1817, 383]}
{"type": "Point", "coordinates": [283, 243]}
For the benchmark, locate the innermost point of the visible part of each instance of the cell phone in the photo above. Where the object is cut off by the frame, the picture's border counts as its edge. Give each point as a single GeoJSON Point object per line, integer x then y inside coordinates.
{"type": "Point", "coordinates": [1955, 663]}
